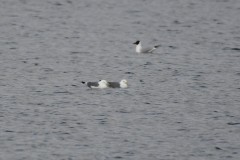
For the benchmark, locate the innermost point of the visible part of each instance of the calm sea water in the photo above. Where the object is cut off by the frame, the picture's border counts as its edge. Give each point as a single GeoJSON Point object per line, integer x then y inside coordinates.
{"type": "Point", "coordinates": [183, 101]}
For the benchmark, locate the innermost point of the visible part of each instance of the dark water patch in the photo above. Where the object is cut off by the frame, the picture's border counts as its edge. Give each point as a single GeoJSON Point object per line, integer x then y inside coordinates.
{"type": "Point", "coordinates": [73, 37]}
{"type": "Point", "coordinates": [118, 157]}
{"type": "Point", "coordinates": [153, 113]}
{"type": "Point", "coordinates": [77, 52]}
{"type": "Point", "coordinates": [65, 133]}
{"type": "Point", "coordinates": [237, 38]}
{"type": "Point", "coordinates": [47, 69]}
{"type": "Point", "coordinates": [176, 101]}
{"type": "Point", "coordinates": [80, 123]}
{"type": "Point", "coordinates": [197, 43]}
{"type": "Point", "coordinates": [217, 21]}
{"type": "Point", "coordinates": [187, 26]}
{"type": "Point", "coordinates": [129, 153]}
{"type": "Point", "coordinates": [174, 31]}
{"type": "Point", "coordinates": [182, 129]}
{"type": "Point", "coordinates": [101, 118]}
{"type": "Point", "coordinates": [13, 48]}
{"type": "Point", "coordinates": [233, 123]}
{"type": "Point", "coordinates": [147, 103]}
{"type": "Point", "coordinates": [228, 114]}
{"type": "Point", "coordinates": [10, 43]}
{"type": "Point", "coordinates": [218, 43]}
{"type": "Point", "coordinates": [62, 92]}
{"type": "Point", "coordinates": [36, 104]}
{"type": "Point", "coordinates": [219, 33]}
{"type": "Point", "coordinates": [133, 11]}
{"type": "Point", "coordinates": [176, 73]}
{"type": "Point", "coordinates": [69, 1]}
{"type": "Point", "coordinates": [123, 111]}
{"type": "Point", "coordinates": [129, 73]}
{"type": "Point", "coordinates": [202, 86]}
{"type": "Point", "coordinates": [148, 63]}
{"type": "Point", "coordinates": [162, 26]}
{"type": "Point", "coordinates": [9, 131]}
{"type": "Point", "coordinates": [218, 148]}
{"type": "Point", "coordinates": [178, 122]}
{"type": "Point", "coordinates": [19, 150]}
{"type": "Point", "coordinates": [196, 77]}
{"type": "Point", "coordinates": [233, 49]}
{"type": "Point", "coordinates": [63, 123]}
{"type": "Point", "coordinates": [102, 121]}
{"type": "Point", "coordinates": [176, 22]}
{"type": "Point", "coordinates": [57, 4]}
{"type": "Point", "coordinates": [172, 47]}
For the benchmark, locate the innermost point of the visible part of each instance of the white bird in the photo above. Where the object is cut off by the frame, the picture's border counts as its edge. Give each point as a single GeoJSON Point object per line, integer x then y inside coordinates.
{"type": "Point", "coordinates": [122, 84]}
{"type": "Point", "coordinates": [140, 49]}
{"type": "Point", "coordinates": [100, 84]}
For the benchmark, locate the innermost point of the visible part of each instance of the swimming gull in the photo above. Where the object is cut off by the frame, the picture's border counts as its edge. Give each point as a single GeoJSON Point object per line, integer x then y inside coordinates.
{"type": "Point", "coordinates": [140, 49]}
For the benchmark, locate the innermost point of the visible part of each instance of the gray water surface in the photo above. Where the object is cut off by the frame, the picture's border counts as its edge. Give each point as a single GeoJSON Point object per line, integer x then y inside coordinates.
{"type": "Point", "coordinates": [183, 101]}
